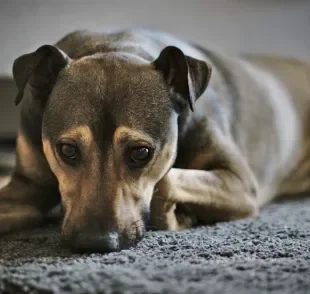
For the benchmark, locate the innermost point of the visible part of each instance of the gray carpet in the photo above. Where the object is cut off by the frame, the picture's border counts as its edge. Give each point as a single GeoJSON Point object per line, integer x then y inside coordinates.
{"type": "Point", "coordinates": [269, 254]}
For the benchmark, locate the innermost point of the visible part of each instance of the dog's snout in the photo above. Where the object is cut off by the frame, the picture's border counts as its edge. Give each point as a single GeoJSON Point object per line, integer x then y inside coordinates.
{"type": "Point", "coordinates": [91, 242]}
{"type": "Point", "coordinates": [90, 233]}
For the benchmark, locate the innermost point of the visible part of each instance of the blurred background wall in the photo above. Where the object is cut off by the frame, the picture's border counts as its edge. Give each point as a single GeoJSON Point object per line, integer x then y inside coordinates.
{"type": "Point", "coordinates": [265, 26]}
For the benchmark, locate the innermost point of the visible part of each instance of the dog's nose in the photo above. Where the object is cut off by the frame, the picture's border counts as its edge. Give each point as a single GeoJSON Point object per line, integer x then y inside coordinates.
{"type": "Point", "coordinates": [90, 242]}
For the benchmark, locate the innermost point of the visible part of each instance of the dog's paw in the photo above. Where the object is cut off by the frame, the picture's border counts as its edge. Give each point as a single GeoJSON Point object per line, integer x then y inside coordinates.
{"type": "Point", "coordinates": [168, 215]}
{"type": "Point", "coordinates": [186, 218]}
{"type": "Point", "coordinates": [163, 208]}
{"type": "Point", "coordinates": [18, 217]}
{"type": "Point", "coordinates": [162, 213]}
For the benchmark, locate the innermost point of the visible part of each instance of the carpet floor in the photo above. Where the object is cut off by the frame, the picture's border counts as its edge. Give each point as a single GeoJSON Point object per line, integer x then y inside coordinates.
{"type": "Point", "coordinates": [268, 254]}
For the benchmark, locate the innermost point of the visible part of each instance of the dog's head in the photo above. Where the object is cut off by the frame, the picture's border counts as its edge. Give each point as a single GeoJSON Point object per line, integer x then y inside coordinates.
{"type": "Point", "coordinates": [109, 132]}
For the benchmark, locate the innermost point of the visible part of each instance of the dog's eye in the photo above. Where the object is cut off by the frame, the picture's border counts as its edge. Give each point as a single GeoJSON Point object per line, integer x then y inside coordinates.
{"type": "Point", "coordinates": [139, 156]}
{"type": "Point", "coordinates": [68, 152]}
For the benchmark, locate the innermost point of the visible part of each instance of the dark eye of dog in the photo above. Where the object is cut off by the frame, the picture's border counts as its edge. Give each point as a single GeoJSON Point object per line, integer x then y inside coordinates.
{"type": "Point", "coordinates": [139, 156]}
{"type": "Point", "coordinates": [68, 152]}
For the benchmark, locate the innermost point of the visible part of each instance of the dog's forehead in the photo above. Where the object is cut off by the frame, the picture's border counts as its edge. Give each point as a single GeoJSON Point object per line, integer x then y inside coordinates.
{"type": "Point", "coordinates": [113, 78]}
{"type": "Point", "coordinates": [109, 91]}
{"type": "Point", "coordinates": [123, 71]}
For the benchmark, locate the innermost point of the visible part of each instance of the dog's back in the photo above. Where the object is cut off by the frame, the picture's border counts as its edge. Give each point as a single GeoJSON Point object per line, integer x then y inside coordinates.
{"type": "Point", "coordinates": [277, 129]}
{"type": "Point", "coordinates": [294, 74]}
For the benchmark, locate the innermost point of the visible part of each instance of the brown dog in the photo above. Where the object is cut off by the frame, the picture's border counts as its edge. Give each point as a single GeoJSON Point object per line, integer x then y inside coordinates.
{"type": "Point", "coordinates": [116, 124]}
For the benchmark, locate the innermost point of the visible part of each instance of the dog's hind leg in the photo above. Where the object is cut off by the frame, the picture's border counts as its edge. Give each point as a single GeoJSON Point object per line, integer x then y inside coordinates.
{"type": "Point", "coordinates": [297, 183]}
{"type": "Point", "coordinates": [31, 192]}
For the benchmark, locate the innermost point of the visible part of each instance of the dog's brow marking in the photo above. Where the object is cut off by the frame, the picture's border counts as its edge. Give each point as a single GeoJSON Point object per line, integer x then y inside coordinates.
{"type": "Point", "coordinates": [122, 132]}
{"type": "Point", "coordinates": [82, 133]}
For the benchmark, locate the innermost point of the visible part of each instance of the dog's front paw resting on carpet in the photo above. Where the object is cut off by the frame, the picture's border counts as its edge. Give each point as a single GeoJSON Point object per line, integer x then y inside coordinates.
{"type": "Point", "coordinates": [17, 217]}
{"type": "Point", "coordinates": [20, 205]}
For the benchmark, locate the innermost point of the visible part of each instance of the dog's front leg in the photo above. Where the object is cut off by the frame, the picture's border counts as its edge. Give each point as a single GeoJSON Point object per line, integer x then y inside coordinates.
{"type": "Point", "coordinates": [23, 204]}
{"type": "Point", "coordinates": [220, 194]}
{"type": "Point", "coordinates": [31, 192]}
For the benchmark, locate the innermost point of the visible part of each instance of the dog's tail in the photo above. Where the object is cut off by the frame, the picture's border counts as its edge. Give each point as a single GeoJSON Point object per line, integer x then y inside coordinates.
{"type": "Point", "coordinates": [9, 120]}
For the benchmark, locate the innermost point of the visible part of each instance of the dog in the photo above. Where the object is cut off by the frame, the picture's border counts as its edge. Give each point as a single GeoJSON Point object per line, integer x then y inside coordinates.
{"type": "Point", "coordinates": [137, 129]}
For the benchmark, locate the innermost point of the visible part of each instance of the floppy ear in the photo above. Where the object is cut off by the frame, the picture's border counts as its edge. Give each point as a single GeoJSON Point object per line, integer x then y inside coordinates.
{"type": "Point", "coordinates": [186, 76]}
{"type": "Point", "coordinates": [39, 70]}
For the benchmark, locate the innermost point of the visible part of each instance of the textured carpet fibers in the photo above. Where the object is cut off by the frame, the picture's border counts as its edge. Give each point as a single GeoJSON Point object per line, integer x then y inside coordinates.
{"type": "Point", "coordinates": [268, 254]}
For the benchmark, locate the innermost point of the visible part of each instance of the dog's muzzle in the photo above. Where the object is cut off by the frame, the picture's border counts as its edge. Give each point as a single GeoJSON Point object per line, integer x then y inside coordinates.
{"type": "Point", "coordinates": [91, 242]}
{"type": "Point", "coordinates": [98, 243]}
{"type": "Point", "coordinates": [95, 238]}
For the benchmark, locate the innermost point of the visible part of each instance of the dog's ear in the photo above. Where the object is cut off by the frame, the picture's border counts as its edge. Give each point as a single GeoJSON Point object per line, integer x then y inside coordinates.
{"type": "Point", "coordinates": [39, 70]}
{"type": "Point", "coordinates": [186, 76]}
